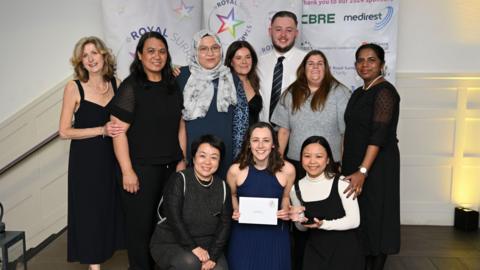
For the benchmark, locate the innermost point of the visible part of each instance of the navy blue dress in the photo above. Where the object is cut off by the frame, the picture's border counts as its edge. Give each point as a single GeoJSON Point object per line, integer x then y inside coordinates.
{"type": "Point", "coordinates": [259, 247]}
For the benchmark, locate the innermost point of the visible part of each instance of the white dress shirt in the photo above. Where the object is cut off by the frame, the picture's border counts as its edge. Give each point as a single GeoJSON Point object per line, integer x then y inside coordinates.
{"type": "Point", "coordinates": [265, 67]}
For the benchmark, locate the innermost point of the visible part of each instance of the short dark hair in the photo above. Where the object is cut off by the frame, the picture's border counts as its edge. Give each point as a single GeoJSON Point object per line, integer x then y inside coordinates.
{"type": "Point", "coordinates": [377, 49]}
{"type": "Point", "coordinates": [332, 168]}
{"type": "Point", "coordinates": [210, 139]}
{"type": "Point", "coordinates": [285, 13]}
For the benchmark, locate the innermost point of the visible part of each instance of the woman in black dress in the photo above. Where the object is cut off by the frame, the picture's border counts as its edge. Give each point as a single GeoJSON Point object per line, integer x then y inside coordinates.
{"type": "Point", "coordinates": [197, 207]}
{"type": "Point", "coordinates": [94, 215]}
{"type": "Point", "coordinates": [371, 159]}
{"type": "Point", "coordinates": [149, 105]}
{"type": "Point", "coordinates": [242, 61]}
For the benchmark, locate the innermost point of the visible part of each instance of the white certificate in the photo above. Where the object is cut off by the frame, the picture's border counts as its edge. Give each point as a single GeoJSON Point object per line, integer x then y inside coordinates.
{"type": "Point", "coordinates": [258, 210]}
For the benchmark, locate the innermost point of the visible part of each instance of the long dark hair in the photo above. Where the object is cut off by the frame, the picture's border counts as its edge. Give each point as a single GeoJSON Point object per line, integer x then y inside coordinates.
{"type": "Point", "coordinates": [252, 74]}
{"type": "Point", "coordinates": [299, 88]}
{"type": "Point", "coordinates": [136, 68]}
{"type": "Point", "coordinates": [245, 158]}
{"type": "Point", "coordinates": [333, 168]}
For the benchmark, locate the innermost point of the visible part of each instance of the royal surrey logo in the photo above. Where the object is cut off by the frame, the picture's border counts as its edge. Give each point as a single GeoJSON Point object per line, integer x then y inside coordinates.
{"type": "Point", "coordinates": [229, 21]}
{"type": "Point", "coordinates": [387, 16]}
{"type": "Point", "coordinates": [183, 10]}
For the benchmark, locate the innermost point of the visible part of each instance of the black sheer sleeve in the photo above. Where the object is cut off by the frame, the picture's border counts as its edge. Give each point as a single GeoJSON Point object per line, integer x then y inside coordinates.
{"type": "Point", "coordinates": [173, 206]}
{"type": "Point", "coordinates": [384, 108]}
{"type": "Point", "coordinates": [223, 229]}
{"type": "Point", "coordinates": [122, 105]}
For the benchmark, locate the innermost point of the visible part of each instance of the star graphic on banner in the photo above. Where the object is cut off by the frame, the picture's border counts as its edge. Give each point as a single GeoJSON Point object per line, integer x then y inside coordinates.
{"type": "Point", "coordinates": [183, 10]}
{"type": "Point", "coordinates": [229, 23]}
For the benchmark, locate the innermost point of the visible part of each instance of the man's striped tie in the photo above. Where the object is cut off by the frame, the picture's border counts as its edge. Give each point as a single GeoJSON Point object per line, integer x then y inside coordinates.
{"type": "Point", "coordinates": [276, 85]}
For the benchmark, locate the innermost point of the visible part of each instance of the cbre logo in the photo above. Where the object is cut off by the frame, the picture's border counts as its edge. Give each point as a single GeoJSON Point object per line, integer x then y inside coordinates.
{"type": "Point", "coordinates": [386, 18]}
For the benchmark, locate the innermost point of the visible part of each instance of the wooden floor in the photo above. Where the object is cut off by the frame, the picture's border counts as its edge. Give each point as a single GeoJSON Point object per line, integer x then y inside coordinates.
{"type": "Point", "coordinates": [423, 248]}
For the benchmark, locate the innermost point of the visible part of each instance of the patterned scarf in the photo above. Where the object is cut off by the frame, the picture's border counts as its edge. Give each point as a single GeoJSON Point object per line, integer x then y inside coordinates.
{"type": "Point", "coordinates": [199, 90]}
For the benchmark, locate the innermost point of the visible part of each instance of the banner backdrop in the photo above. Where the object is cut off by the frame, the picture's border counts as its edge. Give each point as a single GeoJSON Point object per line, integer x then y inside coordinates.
{"type": "Point", "coordinates": [126, 21]}
{"type": "Point", "coordinates": [245, 20]}
{"type": "Point", "coordinates": [339, 27]}
{"type": "Point", "coordinates": [336, 27]}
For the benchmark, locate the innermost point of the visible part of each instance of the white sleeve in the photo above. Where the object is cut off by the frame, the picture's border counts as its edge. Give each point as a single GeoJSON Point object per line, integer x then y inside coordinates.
{"type": "Point", "coordinates": [296, 202]}
{"type": "Point", "coordinates": [351, 219]}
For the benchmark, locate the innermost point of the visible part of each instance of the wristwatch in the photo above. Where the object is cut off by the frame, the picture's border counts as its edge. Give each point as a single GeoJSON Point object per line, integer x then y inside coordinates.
{"type": "Point", "coordinates": [363, 170]}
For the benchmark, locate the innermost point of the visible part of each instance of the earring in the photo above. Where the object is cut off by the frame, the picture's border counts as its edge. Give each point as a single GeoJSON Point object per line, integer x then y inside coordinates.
{"type": "Point", "coordinates": [383, 72]}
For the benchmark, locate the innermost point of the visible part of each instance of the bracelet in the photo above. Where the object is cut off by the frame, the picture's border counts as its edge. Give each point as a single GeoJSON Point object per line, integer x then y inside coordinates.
{"type": "Point", "coordinates": [103, 131]}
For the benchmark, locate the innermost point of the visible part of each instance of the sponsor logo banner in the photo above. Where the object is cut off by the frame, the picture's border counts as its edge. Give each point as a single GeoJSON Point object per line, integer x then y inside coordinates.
{"type": "Point", "coordinates": [336, 27]}
{"type": "Point", "coordinates": [339, 27]}
{"type": "Point", "coordinates": [245, 20]}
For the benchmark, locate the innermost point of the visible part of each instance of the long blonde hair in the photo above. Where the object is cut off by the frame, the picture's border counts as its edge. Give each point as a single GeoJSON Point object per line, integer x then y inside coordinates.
{"type": "Point", "coordinates": [81, 73]}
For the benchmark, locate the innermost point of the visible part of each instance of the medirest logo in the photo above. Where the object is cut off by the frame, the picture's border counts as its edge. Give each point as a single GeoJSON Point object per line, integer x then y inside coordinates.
{"type": "Point", "coordinates": [388, 11]}
{"type": "Point", "coordinates": [381, 18]}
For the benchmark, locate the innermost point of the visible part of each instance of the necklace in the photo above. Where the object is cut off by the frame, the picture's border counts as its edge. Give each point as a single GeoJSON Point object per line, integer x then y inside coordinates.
{"type": "Point", "coordinates": [103, 91]}
{"type": "Point", "coordinates": [202, 184]}
{"type": "Point", "coordinates": [370, 85]}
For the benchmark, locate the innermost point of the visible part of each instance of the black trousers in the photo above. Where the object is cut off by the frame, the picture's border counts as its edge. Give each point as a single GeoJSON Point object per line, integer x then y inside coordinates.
{"type": "Point", "coordinates": [299, 238]}
{"type": "Point", "coordinates": [186, 260]}
{"type": "Point", "coordinates": [141, 212]}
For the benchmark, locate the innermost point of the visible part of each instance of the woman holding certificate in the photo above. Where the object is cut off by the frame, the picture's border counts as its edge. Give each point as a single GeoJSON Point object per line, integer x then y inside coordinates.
{"type": "Point", "coordinates": [260, 173]}
{"type": "Point", "coordinates": [330, 215]}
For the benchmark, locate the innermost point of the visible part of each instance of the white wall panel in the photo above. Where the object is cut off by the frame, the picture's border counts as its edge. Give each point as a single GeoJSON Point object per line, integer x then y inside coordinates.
{"type": "Point", "coordinates": [438, 132]}
{"type": "Point", "coordinates": [472, 138]}
{"type": "Point", "coordinates": [432, 183]}
{"type": "Point", "coordinates": [427, 136]}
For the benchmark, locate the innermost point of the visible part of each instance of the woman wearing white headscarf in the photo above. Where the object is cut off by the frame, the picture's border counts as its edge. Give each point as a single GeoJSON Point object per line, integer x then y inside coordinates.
{"type": "Point", "coordinates": [212, 104]}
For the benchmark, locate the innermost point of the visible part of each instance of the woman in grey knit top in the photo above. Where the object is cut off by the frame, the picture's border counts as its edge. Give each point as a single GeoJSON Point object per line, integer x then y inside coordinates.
{"type": "Point", "coordinates": [312, 105]}
{"type": "Point", "coordinates": [198, 210]}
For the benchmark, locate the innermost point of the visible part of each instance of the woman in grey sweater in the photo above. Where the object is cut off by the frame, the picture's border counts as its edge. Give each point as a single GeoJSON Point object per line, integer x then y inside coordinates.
{"type": "Point", "coordinates": [314, 104]}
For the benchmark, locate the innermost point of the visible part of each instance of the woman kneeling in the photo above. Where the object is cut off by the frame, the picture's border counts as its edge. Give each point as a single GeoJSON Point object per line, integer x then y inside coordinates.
{"type": "Point", "coordinates": [197, 208]}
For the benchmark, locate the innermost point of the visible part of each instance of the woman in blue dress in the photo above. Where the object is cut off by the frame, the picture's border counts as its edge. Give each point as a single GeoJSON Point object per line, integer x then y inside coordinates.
{"type": "Point", "coordinates": [260, 172]}
{"type": "Point", "coordinates": [212, 103]}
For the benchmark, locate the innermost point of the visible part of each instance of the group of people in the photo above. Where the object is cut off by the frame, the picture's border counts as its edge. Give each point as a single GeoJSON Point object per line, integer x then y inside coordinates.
{"type": "Point", "coordinates": [159, 164]}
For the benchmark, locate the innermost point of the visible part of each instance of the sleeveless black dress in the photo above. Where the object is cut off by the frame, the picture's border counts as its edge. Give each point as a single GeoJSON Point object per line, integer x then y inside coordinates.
{"type": "Point", "coordinates": [94, 213]}
{"type": "Point", "coordinates": [339, 250]}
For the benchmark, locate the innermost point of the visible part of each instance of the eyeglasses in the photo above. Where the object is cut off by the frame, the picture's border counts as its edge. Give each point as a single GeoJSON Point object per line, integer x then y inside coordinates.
{"type": "Point", "coordinates": [214, 49]}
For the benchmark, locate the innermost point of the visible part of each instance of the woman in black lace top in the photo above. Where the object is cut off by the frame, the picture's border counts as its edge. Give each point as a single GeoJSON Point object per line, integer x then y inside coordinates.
{"type": "Point", "coordinates": [149, 105]}
{"type": "Point", "coordinates": [197, 209]}
{"type": "Point", "coordinates": [371, 159]}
